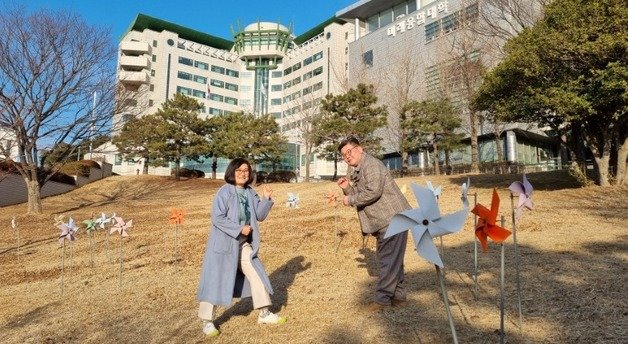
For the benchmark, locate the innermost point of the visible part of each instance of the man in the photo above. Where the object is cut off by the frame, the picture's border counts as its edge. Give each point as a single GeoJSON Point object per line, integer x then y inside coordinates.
{"type": "Point", "coordinates": [371, 189]}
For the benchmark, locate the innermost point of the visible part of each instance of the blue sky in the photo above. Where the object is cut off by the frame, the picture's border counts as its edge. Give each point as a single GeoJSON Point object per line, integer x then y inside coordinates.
{"type": "Point", "coordinates": [212, 17]}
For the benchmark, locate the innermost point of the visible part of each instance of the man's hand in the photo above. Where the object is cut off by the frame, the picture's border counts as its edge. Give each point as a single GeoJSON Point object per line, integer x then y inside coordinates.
{"type": "Point", "coordinates": [345, 200]}
{"type": "Point", "coordinates": [343, 182]}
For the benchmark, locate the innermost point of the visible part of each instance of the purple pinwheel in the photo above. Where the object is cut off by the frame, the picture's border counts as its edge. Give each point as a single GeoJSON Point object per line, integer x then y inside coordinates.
{"type": "Point", "coordinates": [121, 227]}
{"type": "Point", "coordinates": [524, 190]}
{"type": "Point", "coordinates": [426, 223]}
{"type": "Point", "coordinates": [68, 230]}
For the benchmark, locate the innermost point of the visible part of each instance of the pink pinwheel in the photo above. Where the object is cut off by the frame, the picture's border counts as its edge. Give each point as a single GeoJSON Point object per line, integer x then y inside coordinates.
{"type": "Point", "coordinates": [524, 190]}
{"type": "Point", "coordinates": [121, 227]}
{"type": "Point", "coordinates": [67, 231]}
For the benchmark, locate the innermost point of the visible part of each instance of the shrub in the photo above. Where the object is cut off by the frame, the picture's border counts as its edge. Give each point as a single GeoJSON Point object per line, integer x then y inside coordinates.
{"type": "Point", "coordinates": [281, 177]}
{"type": "Point", "coordinates": [189, 173]}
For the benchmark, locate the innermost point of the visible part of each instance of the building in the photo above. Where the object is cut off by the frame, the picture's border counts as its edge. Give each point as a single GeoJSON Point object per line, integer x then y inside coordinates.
{"type": "Point", "coordinates": [267, 69]}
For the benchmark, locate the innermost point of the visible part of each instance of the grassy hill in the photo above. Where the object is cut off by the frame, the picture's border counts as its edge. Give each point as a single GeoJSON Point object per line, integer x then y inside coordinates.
{"type": "Point", "coordinates": [572, 248]}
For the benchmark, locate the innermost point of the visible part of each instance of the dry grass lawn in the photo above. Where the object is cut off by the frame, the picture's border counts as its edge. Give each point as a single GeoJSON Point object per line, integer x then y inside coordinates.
{"type": "Point", "coordinates": [573, 250]}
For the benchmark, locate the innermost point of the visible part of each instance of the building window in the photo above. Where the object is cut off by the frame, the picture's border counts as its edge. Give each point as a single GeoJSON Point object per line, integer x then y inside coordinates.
{"type": "Point", "coordinates": [200, 79]}
{"type": "Point", "coordinates": [318, 71]}
{"type": "Point", "coordinates": [154, 58]}
{"type": "Point", "coordinates": [217, 83]}
{"type": "Point", "coordinates": [117, 160]}
{"type": "Point", "coordinates": [276, 74]}
{"type": "Point", "coordinates": [317, 86]}
{"type": "Point", "coordinates": [150, 102]}
{"type": "Point", "coordinates": [218, 69]}
{"type": "Point", "coordinates": [201, 65]}
{"type": "Point", "coordinates": [307, 61]}
{"type": "Point", "coordinates": [215, 112]}
{"type": "Point", "coordinates": [151, 87]}
{"type": "Point", "coordinates": [275, 101]}
{"type": "Point", "coordinates": [367, 58]}
{"type": "Point", "coordinates": [216, 97]}
{"type": "Point", "coordinates": [296, 66]}
{"type": "Point", "coordinates": [198, 94]}
{"type": "Point", "coordinates": [231, 87]}
{"type": "Point", "coordinates": [154, 43]}
{"type": "Point", "coordinates": [184, 90]}
{"type": "Point", "coordinates": [317, 56]}
{"type": "Point", "coordinates": [186, 61]}
{"type": "Point", "coordinates": [233, 73]}
{"type": "Point", "coordinates": [152, 72]}
{"type": "Point", "coordinates": [432, 31]}
{"type": "Point", "coordinates": [231, 101]}
{"type": "Point", "coordinates": [275, 88]}
{"type": "Point", "coordinates": [184, 75]}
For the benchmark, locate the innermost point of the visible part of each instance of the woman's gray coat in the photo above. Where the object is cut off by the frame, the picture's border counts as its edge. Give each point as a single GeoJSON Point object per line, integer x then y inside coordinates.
{"type": "Point", "coordinates": [221, 280]}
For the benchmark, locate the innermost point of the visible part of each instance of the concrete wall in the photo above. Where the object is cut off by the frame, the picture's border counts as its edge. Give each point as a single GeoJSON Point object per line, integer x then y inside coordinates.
{"type": "Point", "coordinates": [13, 188]}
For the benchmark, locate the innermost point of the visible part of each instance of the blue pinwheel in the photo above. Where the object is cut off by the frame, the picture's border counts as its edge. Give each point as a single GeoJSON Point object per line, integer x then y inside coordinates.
{"type": "Point", "coordinates": [426, 223]}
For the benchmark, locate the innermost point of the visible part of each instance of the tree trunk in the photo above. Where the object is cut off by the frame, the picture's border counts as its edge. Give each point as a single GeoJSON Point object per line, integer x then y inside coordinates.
{"type": "Point", "coordinates": [404, 162]}
{"type": "Point", "coordinates": [145, 168]}
{"type": "Point", "coordinates": [622, 163]}
{"type": "Point", "coordinates": [475, 167]}
{"type": "Point", "coordinates": [34, 196]}
{"type": "Point", "coordinates": [214, 166]}
{"type": "Point", "coordinates": [602, 154]}
{"type": "Point", "coordinates": [335, 166]}
{"type": "Point", "coordinates": [307, 161]}
{"type": "Point", "coordinates": [435, 158]}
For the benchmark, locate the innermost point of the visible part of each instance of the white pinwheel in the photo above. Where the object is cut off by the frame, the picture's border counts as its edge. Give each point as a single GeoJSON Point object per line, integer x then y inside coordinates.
{"type": "Point", "coordinates": [426, 223]}
{"type": "Point", "coordinates": [465, 193]}
{"type": "Point", "coordinates": [436, 191]}
{"type": "Point", "coordinates": [103, 220]}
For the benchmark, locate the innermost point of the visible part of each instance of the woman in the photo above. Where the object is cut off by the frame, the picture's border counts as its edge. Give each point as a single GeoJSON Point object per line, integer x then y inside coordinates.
{"type": "Point", "coordinates": [231, 267]}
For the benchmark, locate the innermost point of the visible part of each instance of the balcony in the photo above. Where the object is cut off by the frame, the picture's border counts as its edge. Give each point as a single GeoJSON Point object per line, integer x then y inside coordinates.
{"type": "Point", "coordinates": [134, 48]}
{"type": "Point", "coordinates": [133, 78]}
{"type": "Point", "coordinates": [134, 63]}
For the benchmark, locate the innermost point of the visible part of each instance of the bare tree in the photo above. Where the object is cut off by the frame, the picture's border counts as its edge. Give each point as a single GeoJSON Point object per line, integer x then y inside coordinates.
{"type": "Point", "coordinates": [501, 20]}
{"type": "Point", "coordinates": [52, 64]}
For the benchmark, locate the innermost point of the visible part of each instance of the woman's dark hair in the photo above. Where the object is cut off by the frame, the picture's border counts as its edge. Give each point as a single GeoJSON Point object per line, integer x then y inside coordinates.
{"type": "Point", "coordinates": [233, 165]}
{"type": "Point", "coordinates": [349, 140]}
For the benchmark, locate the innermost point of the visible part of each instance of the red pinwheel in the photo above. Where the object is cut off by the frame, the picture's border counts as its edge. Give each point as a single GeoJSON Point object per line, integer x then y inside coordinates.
{"type": "Point", "coordinates": [487, 224]}
{"type": "Point", "coordinates": [176, 216]}
{"type": "Point", "coordinates": [524, 190]}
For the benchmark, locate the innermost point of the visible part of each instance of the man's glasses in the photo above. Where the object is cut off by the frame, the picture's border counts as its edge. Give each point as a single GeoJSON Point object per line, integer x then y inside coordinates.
{"type": "Point", "coordinates": [347, 153]}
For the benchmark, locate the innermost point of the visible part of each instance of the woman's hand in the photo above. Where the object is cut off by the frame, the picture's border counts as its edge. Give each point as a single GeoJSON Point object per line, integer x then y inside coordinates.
{"type": "Point", "coordinates": [266, 191]}
{"type": "Point", "coordinates": [246, 230]}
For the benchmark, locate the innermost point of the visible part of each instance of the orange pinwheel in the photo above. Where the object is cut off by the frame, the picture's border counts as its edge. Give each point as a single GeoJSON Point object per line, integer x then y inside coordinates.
{"type": "Point", "coordinates": [176, 216]}
{"type": "Point", "coordinates": [332, 199]}
{"type": "Point", "coordinates": [487, 226]}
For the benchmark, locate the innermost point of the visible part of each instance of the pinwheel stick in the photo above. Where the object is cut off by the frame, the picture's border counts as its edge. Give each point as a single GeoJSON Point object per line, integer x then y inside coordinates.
{"type": "Point", "coordinates": [90, 235]}
{"type": "Point", "coordinates": [176, 245]}
{"type": "Point", "coordinates": [475, 248]}
{"type": "Point", "coordinates": [62, 266]}
{"type": "Point", "coordinates": [501, 291]}
{"type": "Point", "coordinates": [514, 238]}
{"type": "Point", "coordinates": [336, 234]}
{"type": "Point", "coordinates": [17, 228]}
{"type": "Point", "coordinates": [121, 259]}
{"type": "Point", "coordinates": [452, 326]}
{"type": "Point", "coordinates": [108, 248]}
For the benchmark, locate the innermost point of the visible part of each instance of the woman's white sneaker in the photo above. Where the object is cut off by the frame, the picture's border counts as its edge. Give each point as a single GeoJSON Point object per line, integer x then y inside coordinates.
{"type": "Point", "coordinates": [270, 318]}
{"type": "Point", "coordinates": [209, 329]}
